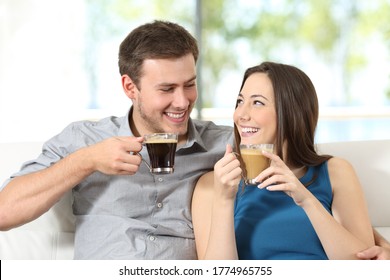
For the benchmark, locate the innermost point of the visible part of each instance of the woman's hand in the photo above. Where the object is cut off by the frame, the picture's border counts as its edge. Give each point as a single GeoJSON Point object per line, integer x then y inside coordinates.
{"type": "Point", "coordinates": [279, 177]}
{"type": "Point", "coordinates": [227, 175]}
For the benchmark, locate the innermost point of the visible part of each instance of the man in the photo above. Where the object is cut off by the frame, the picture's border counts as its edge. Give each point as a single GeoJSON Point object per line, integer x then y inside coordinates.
{"type": "Point", "coordinates": [122, 210]}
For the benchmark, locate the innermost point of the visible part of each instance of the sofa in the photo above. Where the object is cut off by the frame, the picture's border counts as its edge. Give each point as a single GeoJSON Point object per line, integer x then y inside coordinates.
{"type": "Point", "coordinates": [51, 235]}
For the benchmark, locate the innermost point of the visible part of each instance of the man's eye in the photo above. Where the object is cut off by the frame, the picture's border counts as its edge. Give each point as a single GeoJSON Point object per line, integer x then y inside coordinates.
{"type": "Point", "coordinates": [167, 89]}
{"type": "Point", "coordinates": [190, 85]}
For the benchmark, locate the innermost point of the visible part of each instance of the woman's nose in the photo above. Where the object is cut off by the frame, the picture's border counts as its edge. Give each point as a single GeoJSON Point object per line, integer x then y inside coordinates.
{"type": "Point", "coordinates": [243, 113]}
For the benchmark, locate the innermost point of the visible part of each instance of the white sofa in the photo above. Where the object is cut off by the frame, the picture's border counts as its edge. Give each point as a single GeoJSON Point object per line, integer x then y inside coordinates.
{"type": "Point", "coordinates": [51, 236]}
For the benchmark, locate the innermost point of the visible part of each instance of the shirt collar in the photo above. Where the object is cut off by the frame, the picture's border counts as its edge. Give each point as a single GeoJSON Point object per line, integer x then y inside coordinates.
{"type": "Point", "coordinates": [194, 139]}
{"type": "Point", "coordinates": [124, 128]}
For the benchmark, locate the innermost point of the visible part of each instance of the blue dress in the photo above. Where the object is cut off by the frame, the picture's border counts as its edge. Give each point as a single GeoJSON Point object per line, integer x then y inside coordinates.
{"type": "Point", "coordinates": [270, 226]}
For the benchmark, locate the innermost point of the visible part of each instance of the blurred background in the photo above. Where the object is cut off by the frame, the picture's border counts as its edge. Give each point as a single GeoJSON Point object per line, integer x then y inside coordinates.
{"type": "Point", "coordinates": [58, 59]}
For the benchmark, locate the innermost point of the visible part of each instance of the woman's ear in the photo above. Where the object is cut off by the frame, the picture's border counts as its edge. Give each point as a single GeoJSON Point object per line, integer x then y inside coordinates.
{"type": "Point", "coordinates": [129, 87]}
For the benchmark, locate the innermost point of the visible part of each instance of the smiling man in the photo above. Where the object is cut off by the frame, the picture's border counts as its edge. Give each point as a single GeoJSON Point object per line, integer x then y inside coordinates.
{"type": "Point", "coordinates": [122, 210]}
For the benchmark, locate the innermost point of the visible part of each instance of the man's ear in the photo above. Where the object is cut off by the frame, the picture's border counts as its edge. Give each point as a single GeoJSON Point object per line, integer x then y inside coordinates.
{"type": "Point", "coordinates": [129, 87]}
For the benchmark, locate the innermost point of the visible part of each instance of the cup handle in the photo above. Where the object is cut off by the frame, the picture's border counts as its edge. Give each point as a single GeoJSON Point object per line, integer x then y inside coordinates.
{"type": "Point", "coordinates": [147, 164]}
{"type": "Point", "coordinates": [144, 161]}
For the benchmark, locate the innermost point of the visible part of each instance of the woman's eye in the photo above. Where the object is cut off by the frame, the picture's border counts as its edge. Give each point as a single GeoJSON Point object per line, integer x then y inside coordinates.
{"type": "Point", "coordinates": [239, 101]}
{"type": "Point", "coordinates": [257, 102]}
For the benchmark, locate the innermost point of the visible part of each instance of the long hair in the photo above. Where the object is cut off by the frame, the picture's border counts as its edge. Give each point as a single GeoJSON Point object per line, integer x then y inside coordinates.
{"type": "Point", "coordinates": [296, 106]}
{"type": "Point", "coordinates": [155, 40]}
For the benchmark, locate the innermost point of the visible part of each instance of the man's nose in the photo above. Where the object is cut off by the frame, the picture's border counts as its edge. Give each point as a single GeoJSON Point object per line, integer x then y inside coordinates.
{"type": "Point", "coordinates": [180, 99]}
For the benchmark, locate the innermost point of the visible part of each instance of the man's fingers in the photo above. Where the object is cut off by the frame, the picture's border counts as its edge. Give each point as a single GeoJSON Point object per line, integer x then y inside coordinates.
{"type": "Point", "coordinates": [369, 253]}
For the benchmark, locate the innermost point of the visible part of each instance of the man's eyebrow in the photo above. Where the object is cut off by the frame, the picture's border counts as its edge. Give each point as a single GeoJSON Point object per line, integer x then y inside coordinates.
{"type": "Point", "coordinates": [173, 84]}
{"type": "Point", "coordinates": [190, 80]}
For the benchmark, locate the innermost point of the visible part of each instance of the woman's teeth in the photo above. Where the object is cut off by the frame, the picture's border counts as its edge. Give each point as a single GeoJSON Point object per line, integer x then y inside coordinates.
{"type": "Point", "coordinates": [249, 130]}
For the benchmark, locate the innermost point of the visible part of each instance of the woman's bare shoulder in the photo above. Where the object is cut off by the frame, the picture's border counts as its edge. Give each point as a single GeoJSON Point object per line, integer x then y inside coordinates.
{"type": "Point", "coordinates": [206, 181]}
{"type": "Point", "coordinates": [342, 174]}
{"type": "Point", "coordinates": [337, 164]}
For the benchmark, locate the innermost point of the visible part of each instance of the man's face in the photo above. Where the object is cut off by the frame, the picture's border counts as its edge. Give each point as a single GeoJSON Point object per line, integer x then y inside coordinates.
{"type": "Point", "coordinates": [166, 95]}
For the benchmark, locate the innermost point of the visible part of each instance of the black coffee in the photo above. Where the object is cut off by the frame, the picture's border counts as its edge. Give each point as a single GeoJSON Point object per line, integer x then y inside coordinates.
{"type": "Point", "coordinates": [162, 155]}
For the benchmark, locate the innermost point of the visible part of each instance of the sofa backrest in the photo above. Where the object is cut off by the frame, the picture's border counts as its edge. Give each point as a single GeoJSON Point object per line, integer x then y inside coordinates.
{"type": "Point", "coordinates": [371, 161]}
{"type": "Point", "coordinates": [51, 236]}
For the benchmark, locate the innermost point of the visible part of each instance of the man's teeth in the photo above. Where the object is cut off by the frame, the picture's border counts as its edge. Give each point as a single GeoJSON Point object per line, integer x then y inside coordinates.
{"type": "Point", "coordinates": [249, 130]}
{"type": "Point", "coordinates": [175, 116]}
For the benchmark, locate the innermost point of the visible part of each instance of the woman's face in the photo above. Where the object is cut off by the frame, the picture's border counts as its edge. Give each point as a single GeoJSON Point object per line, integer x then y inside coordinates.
{"type": "Point", "coordinates": [255, 115]}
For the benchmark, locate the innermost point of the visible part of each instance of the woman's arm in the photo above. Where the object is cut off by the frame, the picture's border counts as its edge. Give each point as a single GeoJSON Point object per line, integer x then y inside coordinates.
{"type": "Point", "coordinates": [348, 229]}
{"type": "Point", "coordinates": [352, 227]}
{"type": "Point", "coordinates": [213, 210]}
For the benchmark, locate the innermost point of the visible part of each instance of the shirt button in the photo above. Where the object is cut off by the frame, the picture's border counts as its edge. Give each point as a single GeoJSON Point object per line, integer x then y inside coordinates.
{"type": "Point", "coordinates": [152, 238]}
{"type": "Point", "coordinates": [160, 179]}
{"type": "Point", "coordinates": [159, 205]}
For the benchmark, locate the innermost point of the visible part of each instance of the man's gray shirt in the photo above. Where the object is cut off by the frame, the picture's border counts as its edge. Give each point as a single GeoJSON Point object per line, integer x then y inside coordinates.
{"type": "Point", "coordinates": [141, 216]}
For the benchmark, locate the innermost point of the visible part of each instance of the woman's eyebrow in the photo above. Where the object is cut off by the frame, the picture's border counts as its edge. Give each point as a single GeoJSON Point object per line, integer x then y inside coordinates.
{"type": "Point", "coordinates": [254, 96]}
{"type": "Point", "coordinates": [258, 95]}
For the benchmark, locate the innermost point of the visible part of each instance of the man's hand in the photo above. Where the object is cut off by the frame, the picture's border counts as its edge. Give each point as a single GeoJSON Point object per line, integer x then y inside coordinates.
{"type": "Point", "coordinates": [375, 253]}
{"type": "Point", "coordinates": [116, 155]}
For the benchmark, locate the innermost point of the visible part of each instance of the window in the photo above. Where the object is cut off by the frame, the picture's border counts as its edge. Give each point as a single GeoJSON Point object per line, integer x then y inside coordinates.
{"type": "Point", "coordinates": [59, 59]}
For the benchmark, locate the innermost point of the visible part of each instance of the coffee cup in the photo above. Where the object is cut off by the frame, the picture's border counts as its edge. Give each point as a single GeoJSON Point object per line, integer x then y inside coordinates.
{"type": "Point", "coordinates": [161, 149]}
{"type": "Point", "coordinates": [254, 160]}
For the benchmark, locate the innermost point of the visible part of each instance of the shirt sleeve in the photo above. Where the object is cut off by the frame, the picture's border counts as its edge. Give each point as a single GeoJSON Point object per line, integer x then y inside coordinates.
{"type": "Point", "coordinates": [53, 150]}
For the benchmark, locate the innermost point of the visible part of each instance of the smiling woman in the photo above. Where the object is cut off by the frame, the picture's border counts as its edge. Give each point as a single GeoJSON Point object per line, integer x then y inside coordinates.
{"type": "Point", "coordinates": [316, 198]}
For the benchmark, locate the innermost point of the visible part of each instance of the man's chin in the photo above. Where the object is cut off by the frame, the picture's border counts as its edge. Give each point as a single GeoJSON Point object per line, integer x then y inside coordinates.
{"type": "Point", "coordinates": [181, 130]}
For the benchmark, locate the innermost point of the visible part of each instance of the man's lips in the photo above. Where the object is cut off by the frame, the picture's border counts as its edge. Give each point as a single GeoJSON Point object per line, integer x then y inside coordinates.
{"type": "Point", "coordinates": [177, 117]}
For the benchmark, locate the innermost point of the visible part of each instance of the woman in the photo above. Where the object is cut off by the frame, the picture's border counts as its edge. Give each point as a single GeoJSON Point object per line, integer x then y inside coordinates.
{"type": "Point", "coordinates": [306, 206]}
